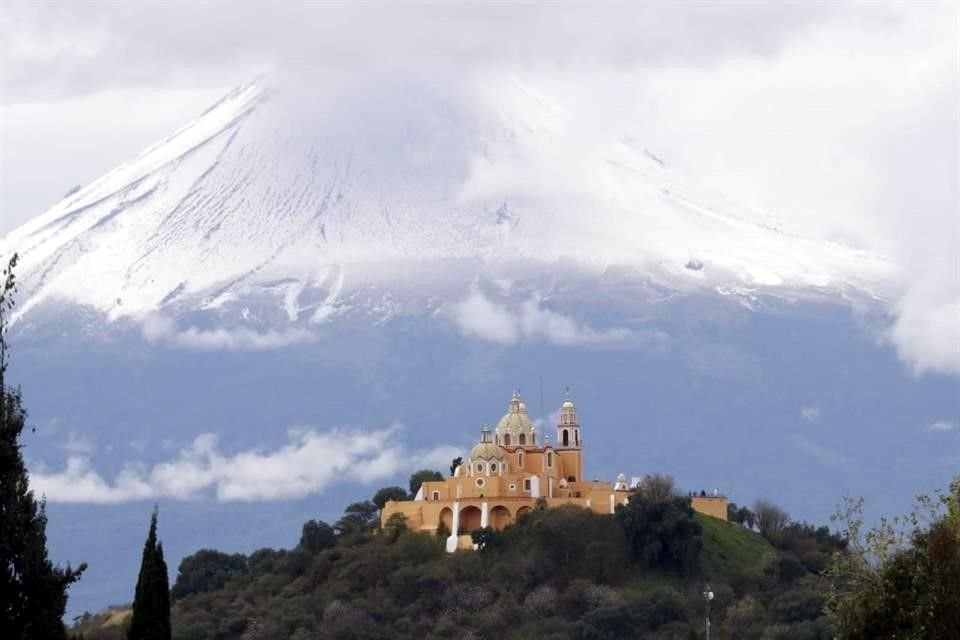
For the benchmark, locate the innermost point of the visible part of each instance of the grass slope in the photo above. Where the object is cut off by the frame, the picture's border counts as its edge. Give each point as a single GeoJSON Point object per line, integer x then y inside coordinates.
{"type": "Point", "coordinates": [730, 549]}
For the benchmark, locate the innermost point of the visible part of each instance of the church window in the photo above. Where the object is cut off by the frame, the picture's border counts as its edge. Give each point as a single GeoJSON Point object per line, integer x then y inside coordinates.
{"type": "Point", "coordinates": [479, 482]}
{"type": "Point", "coordinates": [519, 458]}
{"type": "Point", "coordinates": [506, 440]}
{"type": "Point", "coordinates": [479, 467]}
{"type": "Point", "coordinates": [493, 467]}
{"type": "Point", "coordinates": [576, 437]}
{"type": "Point", "coordinates": [435, 495]}
{"type": "Point", "coordinates": [566, 438]}
{"type": "Point", "coordinates": [549, 458]}
{"type": "Point", "coordinates": [526, 484]}
{"type": "Point", "coordinates": [513, 486]}
{"type": "Point", "coordinates": [523, 439]}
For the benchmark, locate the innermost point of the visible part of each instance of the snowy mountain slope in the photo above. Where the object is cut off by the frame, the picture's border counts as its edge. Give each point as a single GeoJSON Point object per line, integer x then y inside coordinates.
{"type": "Point", "coordinates": [304, 199]}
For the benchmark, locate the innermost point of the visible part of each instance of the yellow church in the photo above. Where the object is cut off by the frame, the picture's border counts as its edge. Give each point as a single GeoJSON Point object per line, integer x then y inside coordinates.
{"type": "Point", "coordinates": [508, 470]}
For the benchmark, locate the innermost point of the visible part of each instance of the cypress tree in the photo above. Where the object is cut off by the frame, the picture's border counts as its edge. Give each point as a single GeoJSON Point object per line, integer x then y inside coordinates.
{"type": "Point", "coordinates": [33, 593]}
{"type": "Point", "coordinates": [151, 601]}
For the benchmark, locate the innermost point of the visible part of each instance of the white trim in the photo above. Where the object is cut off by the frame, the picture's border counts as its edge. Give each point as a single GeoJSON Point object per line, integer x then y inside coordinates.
{"type": "Point", "coordinates": [452, 539]}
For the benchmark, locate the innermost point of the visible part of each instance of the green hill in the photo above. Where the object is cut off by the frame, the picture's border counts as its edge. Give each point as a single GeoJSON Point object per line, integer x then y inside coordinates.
{"type": "Point", "coordinates": [558, 573]}
{"type": "Point", "coordinates": [730, 549]}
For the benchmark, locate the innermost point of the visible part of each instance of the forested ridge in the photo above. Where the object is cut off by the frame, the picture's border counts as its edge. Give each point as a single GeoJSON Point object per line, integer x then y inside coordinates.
{"type": "Point", "coordinates": [557, 573]}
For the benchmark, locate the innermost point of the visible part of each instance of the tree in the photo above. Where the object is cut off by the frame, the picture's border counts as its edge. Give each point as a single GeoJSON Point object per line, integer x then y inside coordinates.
{"type": "Point", "coordinates": [33, 593]}
{"type": "Point", "coordinates": [317, 535]}
{"type": "Point", "coordinates": [657, 487]}
{"type": "Point", "coordinates": [386, 494]}
{"type": "Point", "coordinates": [661, 533]}
{"type": "Point", "coordinates": [560, 544]}
{"type": "Point", "coordinates": [484, 538]}
{"type": "Point", "coordinates": [207, 570]}
{"type": "Point", "coordinates": [395, 525]}
{"type": "Point", "coordinates": [358, 517]}
{"type": "Point", "coordinates": [900, 579]}
{"type": "Point", "coordinates": [771, 519]}
{"type": "Point", "coordinates": [151, 601]}
{"type": "Point", "coordinates": [424, 475]}
{"type": "Point", "coordinates": [741, 515]}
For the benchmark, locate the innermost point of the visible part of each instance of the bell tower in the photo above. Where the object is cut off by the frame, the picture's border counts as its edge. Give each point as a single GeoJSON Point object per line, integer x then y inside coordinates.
{"type": "Point", "coordinates": [568, 426]}
{"type": "Point", "coordinates": [569, 443]}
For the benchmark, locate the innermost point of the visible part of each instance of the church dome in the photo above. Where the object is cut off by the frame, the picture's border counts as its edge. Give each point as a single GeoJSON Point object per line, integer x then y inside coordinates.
{"type": "Point", "coordinates": [516, 421]}
{"type": "Point", "coordinates": [486, 449]}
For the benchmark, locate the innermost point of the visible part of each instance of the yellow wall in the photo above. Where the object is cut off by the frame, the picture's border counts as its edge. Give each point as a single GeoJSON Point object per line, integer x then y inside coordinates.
{"type": "Point", "coordinates": [425, 515]}
{"type": "Point", "coordinates": [715, 506]}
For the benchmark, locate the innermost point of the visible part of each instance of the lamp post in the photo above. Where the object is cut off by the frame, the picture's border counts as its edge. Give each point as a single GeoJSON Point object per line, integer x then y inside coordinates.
{"type": "Point", "coordinates": [707, 597]}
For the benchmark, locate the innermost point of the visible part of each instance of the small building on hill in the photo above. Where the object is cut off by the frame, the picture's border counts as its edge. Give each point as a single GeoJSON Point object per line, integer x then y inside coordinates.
{"type": "Point", "coordinates": [508, 470]}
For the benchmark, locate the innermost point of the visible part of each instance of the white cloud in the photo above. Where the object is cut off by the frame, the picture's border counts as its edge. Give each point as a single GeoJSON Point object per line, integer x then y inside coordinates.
{"type": "Point", "coordinates": [824, 455]}
{"type": "Point", "coordinates": [162, 329]}
{"type": "Point", "coordinates": [63, 49]}
{"type": "Point", "coordinates": [308, 464]}
{"type": "Point", "coordinates": [811, 414]}
{"type": "Point", "coordinates": [483, 318]}
{"type": "Point", "coordinates": [926, 332]}
{"type": "Point", "coordinates": [544, 425]}
{"type": "Point", "coordinates": [942, 425]}
{"type": "Point", "coordinates": [477, 316]}
{"type": "Point", "coordinates": [78, 444]}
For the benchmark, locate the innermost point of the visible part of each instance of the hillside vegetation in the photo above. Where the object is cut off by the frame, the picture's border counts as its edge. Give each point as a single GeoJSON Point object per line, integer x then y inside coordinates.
{"type": "Point", "coordinates": [731, 549]}
{"type": "Point", "coordinates": [557, 573]}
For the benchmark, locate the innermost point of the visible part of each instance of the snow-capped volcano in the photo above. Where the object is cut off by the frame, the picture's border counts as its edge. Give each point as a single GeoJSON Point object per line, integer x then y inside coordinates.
{"type": "Point", "coordinates": [303, 198]}
{"type": "Point", "coordinates": [507, 248]}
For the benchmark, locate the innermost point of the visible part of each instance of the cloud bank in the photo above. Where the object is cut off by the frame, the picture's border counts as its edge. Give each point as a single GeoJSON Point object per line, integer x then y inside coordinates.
{"type": "Point", "coordinates": [163, 329]}
{"type": "Point", "coordinates": [308, 464]}
{"type": "Point", "coordinates": [478, 316]}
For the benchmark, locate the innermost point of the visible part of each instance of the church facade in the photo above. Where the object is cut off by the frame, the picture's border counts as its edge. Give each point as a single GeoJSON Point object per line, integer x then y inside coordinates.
{"type": "Point", "coordinates": [508, 470]}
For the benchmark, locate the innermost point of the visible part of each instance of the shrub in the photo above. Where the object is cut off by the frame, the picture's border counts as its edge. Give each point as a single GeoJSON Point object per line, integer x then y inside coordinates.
{"type": "Point", "coordinates": [661, 533]}
{"type": "Point", "coordinates": [207, 570]}
{"type": "Point", "coordinates": [542, 600]}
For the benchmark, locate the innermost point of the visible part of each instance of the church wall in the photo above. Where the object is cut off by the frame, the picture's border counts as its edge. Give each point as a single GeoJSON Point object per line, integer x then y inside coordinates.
{"type": "Point", "coordinates": [426, 515]}
{"type": "Point", "coordinates": [715, 506]}
{"type": "Point", "coordinates": [476, 496]}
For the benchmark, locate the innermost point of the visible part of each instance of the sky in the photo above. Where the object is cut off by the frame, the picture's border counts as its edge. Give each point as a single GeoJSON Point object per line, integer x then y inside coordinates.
{"type": "Point", "coordinates": [840, 119]}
